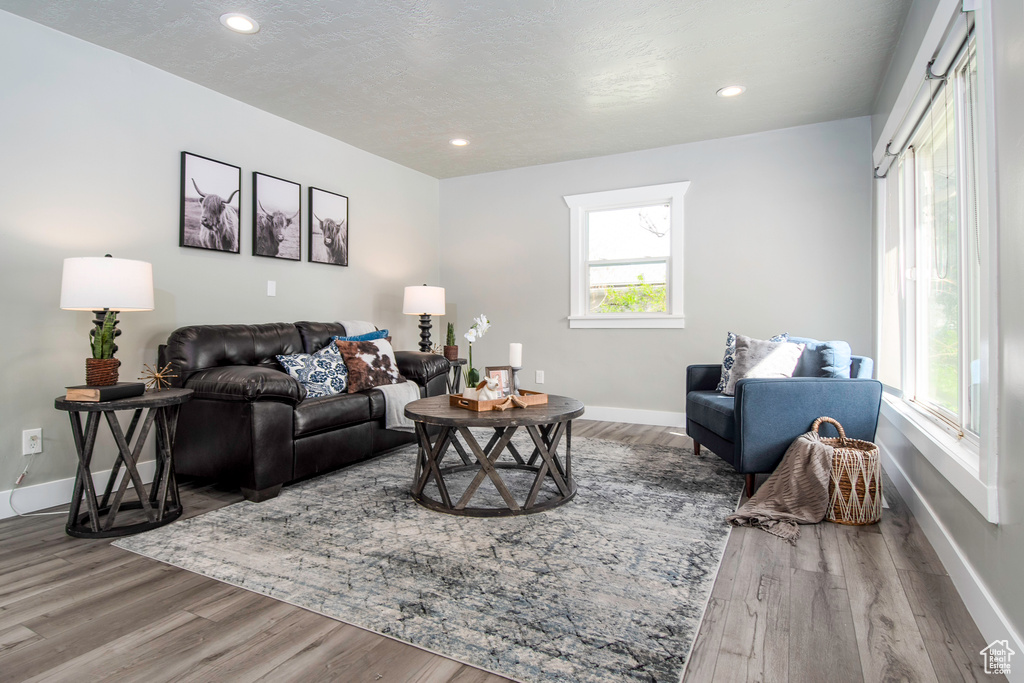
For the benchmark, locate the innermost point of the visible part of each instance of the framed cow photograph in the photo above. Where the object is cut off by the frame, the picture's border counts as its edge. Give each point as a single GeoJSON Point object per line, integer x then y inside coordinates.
{"type": "Point", "coordinates": [276, 204]}
{"type": "Point", "coordinates": [328, 227]}
{"type": "Point", "coordinates": [211, 196]}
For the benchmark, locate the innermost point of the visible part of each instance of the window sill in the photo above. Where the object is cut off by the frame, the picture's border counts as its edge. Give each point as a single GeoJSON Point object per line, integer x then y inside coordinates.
{"type": "Point", "coordinates": [956, 461]}
{"type": "Point", "coordinates": [612, 321]}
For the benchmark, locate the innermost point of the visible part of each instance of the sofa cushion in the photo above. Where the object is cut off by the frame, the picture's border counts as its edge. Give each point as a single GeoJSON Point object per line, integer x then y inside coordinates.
{"type": "Point", "coordinates": [322, 373]}
{"type": "Point", "coordinates": [370, 364]}
{"type": "Point", "coordinates": [377, 404]}
{"type": "Point", "coordinates": [823, 358]}
{"type": "Point", "coordinates": [730, 356]}
{"type": "Point", "coordinates": [759, 358]}
{"type": "Point", "coordinates": [330, 412]}
{"type": "Point", "coordinates": [713, 410]}
{"type": "Point", "coordinates": [369, 336]}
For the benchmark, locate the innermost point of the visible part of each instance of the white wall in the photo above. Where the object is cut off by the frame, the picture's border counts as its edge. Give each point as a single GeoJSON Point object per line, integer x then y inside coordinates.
{"type": "Point", "coordinates": [91, 141]}
{"type": "Point", "coordinates": [992, 553]}
{"type": "Point", "coordinates": [777, 238]}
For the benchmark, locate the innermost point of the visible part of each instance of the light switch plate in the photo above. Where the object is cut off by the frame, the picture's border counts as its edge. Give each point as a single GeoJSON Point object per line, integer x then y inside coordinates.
{"type": "Point", "coordinates": [271, 288]}
{"type": "Point", "coordinates": [540, 377]}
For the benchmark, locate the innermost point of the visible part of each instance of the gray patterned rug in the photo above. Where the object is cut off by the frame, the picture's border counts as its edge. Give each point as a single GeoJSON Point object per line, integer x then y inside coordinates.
{"type": "Point", "coordinates": [609, 587]}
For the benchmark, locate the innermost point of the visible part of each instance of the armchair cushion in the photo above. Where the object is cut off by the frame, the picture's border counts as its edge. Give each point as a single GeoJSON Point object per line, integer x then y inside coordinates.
{"type": "Point", "coordinates": [760, 358]}
{"type": "Point", "coordinates": [245, 383]}
{"type": "Point", "coordinates": [714, 410]}
{"type": "Point", "coordinates": [730, 356]}
{"type": "Point", "coordinates": [823, 358]}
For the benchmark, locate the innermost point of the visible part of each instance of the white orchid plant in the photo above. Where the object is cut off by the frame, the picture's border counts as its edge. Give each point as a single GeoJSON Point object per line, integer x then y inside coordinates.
{"type": "Point", "coordinates": [479, 328]}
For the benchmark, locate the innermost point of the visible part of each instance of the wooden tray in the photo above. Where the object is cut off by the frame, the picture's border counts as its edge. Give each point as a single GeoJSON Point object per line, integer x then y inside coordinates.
{"type": "Point", "coordinates": [532, 398]}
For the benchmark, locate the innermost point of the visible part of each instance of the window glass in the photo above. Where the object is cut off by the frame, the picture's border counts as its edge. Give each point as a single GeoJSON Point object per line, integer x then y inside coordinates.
{"type": "Point", "coordinates": [637, 232]}
{"type": "Point", "coordinates": [628, 288]}
{"type": "Point", "coordinates": [938, 256]}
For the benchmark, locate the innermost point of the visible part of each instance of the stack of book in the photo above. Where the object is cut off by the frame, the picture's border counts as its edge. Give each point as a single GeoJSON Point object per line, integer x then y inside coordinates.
{"type": "Point", "coordinates": [107, 393]}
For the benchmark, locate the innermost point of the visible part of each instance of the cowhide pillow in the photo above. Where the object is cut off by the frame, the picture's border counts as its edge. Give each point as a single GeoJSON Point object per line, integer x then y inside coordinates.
{"type": "Point", "coordinates": [370, 364]}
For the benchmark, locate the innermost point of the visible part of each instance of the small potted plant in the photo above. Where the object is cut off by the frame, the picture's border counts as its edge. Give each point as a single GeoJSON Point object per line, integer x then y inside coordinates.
{"type": "Point", "coordinates": [101, 369]}
{"type": "Point", "coordinates": [451, 350]}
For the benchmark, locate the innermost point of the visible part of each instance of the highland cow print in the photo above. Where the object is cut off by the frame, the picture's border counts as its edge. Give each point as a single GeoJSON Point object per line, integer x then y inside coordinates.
{"type": "Point", "coordinates": [370, 364]}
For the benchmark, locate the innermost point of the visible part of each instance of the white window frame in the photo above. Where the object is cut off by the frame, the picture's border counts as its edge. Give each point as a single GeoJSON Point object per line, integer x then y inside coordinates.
{"type": "Point", "coordinates": [969, 464]}
{"type": "Point", "coordinates": [580, 205]}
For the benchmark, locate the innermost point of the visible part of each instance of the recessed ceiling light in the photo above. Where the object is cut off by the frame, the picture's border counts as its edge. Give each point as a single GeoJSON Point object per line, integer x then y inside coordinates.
{"type": "Point", "coordinates": [459, 142]}
{"type": "Point", "coordinates": [732, 91]}
{"type": "Point", "coordinates": [239, 23]}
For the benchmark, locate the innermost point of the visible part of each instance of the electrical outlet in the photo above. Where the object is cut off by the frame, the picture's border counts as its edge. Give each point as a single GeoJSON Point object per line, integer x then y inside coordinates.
{"type": "Point", "coordinates": [540, 377]}
{"type": "Point", "coordinates": [32, 441]}
{"type": "Point", "coordinates": [271, 288]}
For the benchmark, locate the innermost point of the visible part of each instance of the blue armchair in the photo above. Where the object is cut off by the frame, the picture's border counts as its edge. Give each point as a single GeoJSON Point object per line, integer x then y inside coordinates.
{"type": "Point", "coordinates": [752, 430]}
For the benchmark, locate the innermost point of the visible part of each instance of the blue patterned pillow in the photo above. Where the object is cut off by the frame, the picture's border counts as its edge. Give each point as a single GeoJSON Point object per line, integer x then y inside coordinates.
{"type": "Point", "coordinates": [322, 373]}
{"type": "Point", "coordinates": [730, 356]}
{"type": "Point", "coordinates": [369, 336]}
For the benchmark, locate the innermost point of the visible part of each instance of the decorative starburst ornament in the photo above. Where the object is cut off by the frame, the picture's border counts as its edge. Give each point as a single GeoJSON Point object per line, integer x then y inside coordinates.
{"type": "Point", "coordinates": [157, 379]}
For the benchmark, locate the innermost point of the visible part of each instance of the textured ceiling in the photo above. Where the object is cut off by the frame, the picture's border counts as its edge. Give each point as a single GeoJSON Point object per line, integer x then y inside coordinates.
{"type": "Point", "coordinates": [527, 81]}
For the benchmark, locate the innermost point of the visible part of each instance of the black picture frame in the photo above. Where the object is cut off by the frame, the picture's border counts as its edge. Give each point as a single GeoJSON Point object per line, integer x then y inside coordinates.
{"type": "Point", "coordinates": [276, 217]}
{"type": "Point", "coordinates": [221, 195]}
{"type": "Point", "coordinates": [330, 210]}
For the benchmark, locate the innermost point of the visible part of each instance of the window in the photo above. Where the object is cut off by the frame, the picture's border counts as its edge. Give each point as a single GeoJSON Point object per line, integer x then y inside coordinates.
{"type": "Point", "coordinates": [932, 262]}
{"type": "Point", "coordinates": [627, 257]}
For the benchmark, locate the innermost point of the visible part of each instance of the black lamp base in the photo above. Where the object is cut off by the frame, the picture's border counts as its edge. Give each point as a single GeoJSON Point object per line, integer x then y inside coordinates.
{"type": "Point", "coordinates": [425, 344]}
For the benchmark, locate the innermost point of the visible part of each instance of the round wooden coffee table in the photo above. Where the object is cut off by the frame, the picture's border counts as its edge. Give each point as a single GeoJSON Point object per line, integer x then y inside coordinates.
{"type": "Point", "coordinates": [546, 424]}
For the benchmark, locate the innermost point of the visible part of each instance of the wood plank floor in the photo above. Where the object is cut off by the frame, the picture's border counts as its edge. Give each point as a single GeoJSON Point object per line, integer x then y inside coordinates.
{"type": "Point", "coordinates": [843, 604]}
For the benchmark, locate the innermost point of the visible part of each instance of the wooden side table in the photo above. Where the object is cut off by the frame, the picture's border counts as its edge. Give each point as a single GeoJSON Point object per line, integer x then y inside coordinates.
{"type": "Point", "coordinates": [161, 504]}
{"type": "Point", "coordinates": [455, 376]}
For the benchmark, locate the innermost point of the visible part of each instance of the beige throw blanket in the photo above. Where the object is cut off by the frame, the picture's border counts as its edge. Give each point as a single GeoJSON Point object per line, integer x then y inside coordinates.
{"type": "Point", "coordinates": [796, 493]}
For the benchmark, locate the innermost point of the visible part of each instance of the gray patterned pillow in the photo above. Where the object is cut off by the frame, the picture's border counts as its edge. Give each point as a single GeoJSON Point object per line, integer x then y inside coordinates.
{"type": "Point", "coordinates": [322, 373]}
{"type": "Point", "coordinates": [760, 358]}
{"type": "Point", "coordinates": [730, 356]}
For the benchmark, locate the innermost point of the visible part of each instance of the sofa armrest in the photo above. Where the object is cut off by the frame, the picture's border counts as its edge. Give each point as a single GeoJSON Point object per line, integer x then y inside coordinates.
{"type": "Point", "coordinates": [245, 383]}
{"type": "Point", "coordinates": [703, 377]}
{"type": "Point", "coordinates": [771, 413]}
{"type": "Point", "coordinates": [421, 367]}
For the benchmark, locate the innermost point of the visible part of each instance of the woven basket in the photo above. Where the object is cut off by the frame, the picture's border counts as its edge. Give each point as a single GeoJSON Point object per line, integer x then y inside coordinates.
{"type": "Point", "coordinates": [855, 486]}
{"type": "Point", "coordinates": [101, 372]}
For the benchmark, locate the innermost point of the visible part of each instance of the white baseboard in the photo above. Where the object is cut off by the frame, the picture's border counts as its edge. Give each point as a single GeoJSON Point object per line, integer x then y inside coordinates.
{"type": "Point", "coordinates": [988, 615]}
{"type": "Point", "coordinates": [661, 418]}
{"type": "Point", "coordinates": [53, 493]}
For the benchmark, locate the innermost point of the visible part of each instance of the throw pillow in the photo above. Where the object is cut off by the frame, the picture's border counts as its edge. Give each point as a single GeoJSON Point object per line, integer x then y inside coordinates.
{"type": "Point", "coordinates": [370, 364]}
{"type": "Point", "coordinates": [760, 358]}
{"type": "Point", "coordinates": [322, 373]}
{"type": "Point", "coordinates": [730, 357]}
{"type": "Point", "coordinates": [823, 358]}
{"type": "Point", "coordinates": [369, 336]}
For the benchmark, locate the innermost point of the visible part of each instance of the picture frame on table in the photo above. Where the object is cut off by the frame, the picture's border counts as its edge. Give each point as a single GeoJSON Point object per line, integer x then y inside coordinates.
{"type": "Point", "coordinates": [276, 217]}
{"type": "Point", "coordinates": [328, 227]}
{"type": "Point", "coordinates": [504, 375]}
{"type": "Point", "coordinates": [211, 198]}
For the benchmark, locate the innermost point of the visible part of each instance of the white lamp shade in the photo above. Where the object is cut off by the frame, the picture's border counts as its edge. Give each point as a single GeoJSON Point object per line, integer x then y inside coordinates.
{"type": "Point", "coordinates": [95, 283]}
{"type": "Point", "coordinates": [423, 300]}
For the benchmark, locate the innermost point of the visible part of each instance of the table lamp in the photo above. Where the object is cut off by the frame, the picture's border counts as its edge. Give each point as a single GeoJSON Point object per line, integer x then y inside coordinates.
{"type": "Point", "coordinates": [103, 285]}
{"type": "Point", "coordinates": [424, 301]}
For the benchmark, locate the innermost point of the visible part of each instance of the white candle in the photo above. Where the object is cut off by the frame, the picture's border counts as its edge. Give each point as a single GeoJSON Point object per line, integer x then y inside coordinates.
{"type": "Point", "coordinates": [515, 355]}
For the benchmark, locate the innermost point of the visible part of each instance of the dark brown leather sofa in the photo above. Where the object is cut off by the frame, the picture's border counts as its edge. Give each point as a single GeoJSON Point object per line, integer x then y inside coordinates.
{"type": "Point", "coordinates": [250, 424]}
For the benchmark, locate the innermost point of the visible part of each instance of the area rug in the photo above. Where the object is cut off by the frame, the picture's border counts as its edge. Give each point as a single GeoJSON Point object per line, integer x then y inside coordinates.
{"type": "Point", "coordinates": [610, 586]}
